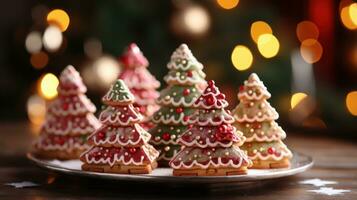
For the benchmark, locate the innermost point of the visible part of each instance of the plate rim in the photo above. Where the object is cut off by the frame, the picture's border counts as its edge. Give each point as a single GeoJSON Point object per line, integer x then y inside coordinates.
{"type": "Point", "coordinates": [308, 163]}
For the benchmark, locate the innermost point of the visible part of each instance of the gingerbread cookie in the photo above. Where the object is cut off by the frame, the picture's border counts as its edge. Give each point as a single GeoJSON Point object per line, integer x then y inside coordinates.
{"type": "Point", "coordinates": [176, 100]}
{"type": "Point", "coordinates": [120, 145]}
{"type": "Point", "coordinates": [69, 120]}
{"type": "Point", "coordinates": [211, 144]}
{"type": "Point", "coordinates": [255, 117]}
{"type": "Point", "coordinates": [141, 83]}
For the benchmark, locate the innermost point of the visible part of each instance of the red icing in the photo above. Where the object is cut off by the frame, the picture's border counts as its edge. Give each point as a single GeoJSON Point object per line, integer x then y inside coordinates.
{"type": "Point", "coordinates": [120, 115]}
{"type": "Point", "coordinates": [241, 88]}
{"type": "Point", "coordinates": [133, 57]}
{"type": "Point", "coordinates": [189, 73]}
{"type": "Point", "coordinates": [211, 97]}
{"type": "Point", "coordinates": [70, 82]}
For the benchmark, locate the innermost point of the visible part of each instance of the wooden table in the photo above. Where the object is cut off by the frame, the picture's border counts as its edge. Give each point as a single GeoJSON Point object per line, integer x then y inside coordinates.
{"type": "Point", "coordinates": [335, 160]}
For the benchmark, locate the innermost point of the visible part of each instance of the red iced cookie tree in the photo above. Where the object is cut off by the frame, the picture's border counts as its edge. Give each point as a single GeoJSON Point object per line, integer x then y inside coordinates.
{"type": "Point", "coordinates": [120, 145]}
{"type": "Point", "coordinates": [69, 120]}
{"type": "Point", "coordinates": [211, 145]}
{"type": "Point", "coordinates": [141, 83]}
{"type": "Point", "coordinates": [255, 117]}
{"type": "Point", "coordinates": [176, 100]}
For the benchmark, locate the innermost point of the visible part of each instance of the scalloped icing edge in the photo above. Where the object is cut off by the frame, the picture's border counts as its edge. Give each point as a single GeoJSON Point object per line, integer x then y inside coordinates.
{"type": "Point", "coordinates": [171, 120]}
{"type": "Point", "coordinates": [163, 156]}
{"type": "Point", "coordinates": [259, 156]}
{"type": "Point", "coordinates": [257, 118]}
{"type": "Point", "coordinates": [117, 141]}
{"type": "Point", "coordinates": [180, 66]}
{"type": "Point", "coordinates": [267, 95]}
{"type": "Point", "coordinates": [94, 122]}
{"type": "Point", "coordinates": [187, 81]}
{"type": "Point", "coordinates": [210, 121]}
{"type": "Point", "coordinates": [265, 138]}
{"type": "Point", "coordinates": [181, 102]}
{"type": "Point", "coordinates": [68, 146]}
{"type": "Point", "coordinates": [59, 112]}
{"type": "Point", "coordinates": [208, 143]}
{"type": "Point", "coordinates": [118, 121]}
{"type": "Point", "coordinates": [171, 141]}
{"type": "Point", "coordinates": [216, 165]}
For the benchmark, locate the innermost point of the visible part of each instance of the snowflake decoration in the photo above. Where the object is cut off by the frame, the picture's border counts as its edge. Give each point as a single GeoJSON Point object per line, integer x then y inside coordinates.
{"type": "Point", "coordinates": [329, 191]}
{"type": "Point", "coordinates": [317, 182]}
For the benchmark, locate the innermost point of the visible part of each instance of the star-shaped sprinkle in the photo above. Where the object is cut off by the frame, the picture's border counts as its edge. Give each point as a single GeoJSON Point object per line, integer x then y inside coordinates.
{"type": "Point", "coordinates": [329, 191]}
{"type": "Point", "coordinates": [317, 182]}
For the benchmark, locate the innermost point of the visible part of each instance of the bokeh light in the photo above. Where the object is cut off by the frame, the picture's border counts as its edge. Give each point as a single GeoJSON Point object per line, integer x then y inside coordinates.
{"type": "Point", "coordinates": [311, 50]}
{"type": "Point", "coordinates": [196, 20]}
{"type": "Point", "coordinates": [307, 30]}
{"type": "Point", "coordinates": [39, 60]}
{"type": "Point", "coordinates": [48, 86]}
{"type": "Point", "coordinates": [36, 109]}
{"type": "Point", "coordinates": [52, 38]}
{"type": "Point", "coordinates": [107, 70]}
{"type": "Point", "coordinates": [228, 4]}
{"type": "Point", "coordinates": [33, 42]}
{"type": "Point", "coordinates": [351, 102]}
{"type": "Point", "coordinates": [259, 28]}
{"type": "Point", "coordinates": [348, 18]}
{"type": "Point", "coordinates": [268, 45]}
{"type": "Point", "coordinates": [296, 99]}
{"type": "Point", "coordinates": [59, 18]}
{"type": "Point", "coordinates": [242, 57]}
{"type": "Point", "coordinates": [352, 10]}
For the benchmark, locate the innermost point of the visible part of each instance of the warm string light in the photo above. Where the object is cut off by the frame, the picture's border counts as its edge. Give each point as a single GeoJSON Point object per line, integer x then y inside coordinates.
{"type": "Point", "coordinates": [58, 18]}
{"type": "Point", "coordinates": [351, 102]}
{"type": "Point", "coordinates": [296, 99]}
{"type": "Point", "coordinates": [307, 30]}
{"type": "Point", "coordinates": [348, 15]}
{"type": "Point", "coordinates": [33, 42]}
{"type": "Point", "coordinates": [259, 28]}
{"type": "Point", "coordinates": [311, 50]}
{"type": "Point", "coordinates": [39, 60]}
{"type": "Point", "coordinates": [36, 109]}
{"type": "Point", "coordinates": [268, 45]}
{"type": "Point", "coordinates": [52, 38]}
{"type": "Point", "coordinates": [48, 86]}
{"type": "Point", "coordinates": [227, 4]}
{"type": "Point", "coordinates": [242, 57]}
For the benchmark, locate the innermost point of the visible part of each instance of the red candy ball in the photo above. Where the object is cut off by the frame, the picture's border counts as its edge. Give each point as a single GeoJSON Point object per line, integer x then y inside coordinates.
{"type": "Point", "coordinates": [186, 92]}
{"type": "Point", "coordinates": [179, 110]}
{"type": "Point", "coordinates": [65, 106]}
{"type": "Point", "coordinates": [210, 100]}
{"type": "Point", "coordinates": [189, 73]}
{"type": "Point", "coordinates": [241, 88]}
{"type": "Point", "coordinates": [101, 135]}
{"type": "Point", "coordinates": [166, 136]}
{"type": "Point", "coordinates": [271, 150]}
{"type": "Point", "coordinates": [186, 118]}
{"type": "Point", "coordinates": [132, 150]}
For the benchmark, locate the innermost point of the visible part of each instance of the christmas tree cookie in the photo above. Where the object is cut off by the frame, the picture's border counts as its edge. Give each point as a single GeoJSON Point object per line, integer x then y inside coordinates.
{"type": "Point", "coordinates": [69, 120]}
{"type": "Point", "coordinates": [184, 80]}
{"type": "Point", "coordinates": [120, 145]}
{"type": "Point", "coordinates": [140, 82]}
{"type": "Point", "coordinates": [255, 117]}
{"type": "Point", "coordinates": [211, 145]}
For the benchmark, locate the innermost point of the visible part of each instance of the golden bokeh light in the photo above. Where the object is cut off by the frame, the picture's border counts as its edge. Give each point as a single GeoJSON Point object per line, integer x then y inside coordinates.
{"type": "Point", "coordinates": [311, 50]}
{"type": "Point", "coordinates": [351, 102]}
{"type": "Point", "coordinates": [196, 20]}
{"type": "Point", "coordinates": [259, 28]}
{"type": "Point", "coordinates": [52, 38]}
{"type": "Point", "coordinates": [307, 30]}
{"type": "Point", "coordinates": [228, 4]}
{"type": "Point", "coordinates": [242, 57]}
{"type": "Point", "coordinates": [296, 99]}
{"type": "Point", "coordinates": [268, 45]}
{"type": "Point", "coordinates": [59, 18]}
{"type": "Point", "coordinates": [36, 109]}
{"type": "Point", "coordinates": [48, 86]}
{"type": "Point", "coordinates": [347, 17]}
{"type": "Point", "coordinates": [352, 10]}
{"type": "Point", "coordinates": [39, 60]}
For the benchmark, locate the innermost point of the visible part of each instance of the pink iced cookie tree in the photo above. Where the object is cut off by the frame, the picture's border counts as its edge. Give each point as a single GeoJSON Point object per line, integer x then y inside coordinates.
{"type": "Point", "coordinates": [69, 120]}
{"type": "Point", "coordinates": [211, 144]}
{"type": "Point", "coordinates": [255, 117]}
{"type": "Point", "coordinates": [141, 83]}
{"type": "Point", "coordinates": [120, 145]}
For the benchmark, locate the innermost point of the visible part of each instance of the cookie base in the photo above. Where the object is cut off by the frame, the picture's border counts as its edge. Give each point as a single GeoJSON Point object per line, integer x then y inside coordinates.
{"type": "Point", "coordinates": [57, 154]}
{"type": "Point", "coordinates": [210, 172]}
{"type": "Point", "coordinates": [270, 164]}
{"type": "Point", "coordinates": [120, 169]}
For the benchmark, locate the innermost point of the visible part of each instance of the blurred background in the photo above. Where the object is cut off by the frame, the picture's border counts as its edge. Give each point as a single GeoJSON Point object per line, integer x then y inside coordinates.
{"type": "Point", "coordinates": [305, 51]}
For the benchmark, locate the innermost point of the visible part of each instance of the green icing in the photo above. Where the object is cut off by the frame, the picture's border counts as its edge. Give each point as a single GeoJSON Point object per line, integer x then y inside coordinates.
{"type": "Point", "coordinates": [175, 94]}
{"type": "Point", "coordinates": [119, 92]}
{"type": "Point", "coordinates": [169, 152]}
{"type": "Point", "coordinates": [196, 77]}
{"type": "Point", "coordinates": [159, 131]}
{"type": "Point", "coordinates": [165, 114]}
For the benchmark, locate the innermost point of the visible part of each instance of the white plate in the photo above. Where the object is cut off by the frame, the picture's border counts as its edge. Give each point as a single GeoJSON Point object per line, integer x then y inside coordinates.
{"type": "Point", "coordinates": [299, 163]}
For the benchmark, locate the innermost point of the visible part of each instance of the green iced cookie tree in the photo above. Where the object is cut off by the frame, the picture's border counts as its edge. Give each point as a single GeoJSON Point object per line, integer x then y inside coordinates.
{"type": "Point", "coordinates": [185, 81]}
